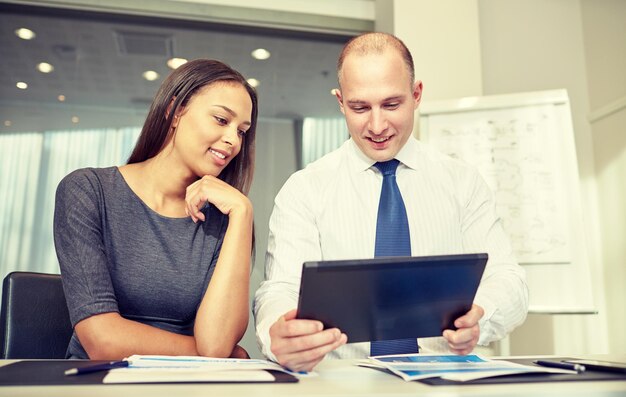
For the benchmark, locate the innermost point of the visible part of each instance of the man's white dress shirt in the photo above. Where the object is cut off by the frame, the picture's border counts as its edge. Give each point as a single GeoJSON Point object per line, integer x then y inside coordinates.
{"type": "Point", "coordinates": [328, 211]}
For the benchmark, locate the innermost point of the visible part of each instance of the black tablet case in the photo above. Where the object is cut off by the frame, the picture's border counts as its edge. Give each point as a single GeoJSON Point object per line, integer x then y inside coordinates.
{"type": "Point", "coordinates": [390, 298]}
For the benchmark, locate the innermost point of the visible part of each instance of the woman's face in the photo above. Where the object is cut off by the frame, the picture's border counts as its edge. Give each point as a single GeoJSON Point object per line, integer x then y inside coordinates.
{"type": "Point", "coordinates": [211, 128]}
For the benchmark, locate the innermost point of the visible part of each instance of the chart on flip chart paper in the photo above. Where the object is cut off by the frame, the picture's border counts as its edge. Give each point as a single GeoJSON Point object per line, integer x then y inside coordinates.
{"type": "Point", "coordinates": [523, 146]}
{"type": "Point", "coordinates": [513, 150]}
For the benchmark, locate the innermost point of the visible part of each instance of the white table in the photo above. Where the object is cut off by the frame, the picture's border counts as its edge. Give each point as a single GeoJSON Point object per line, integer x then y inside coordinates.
{"type": "Point", "coordinates": [336, 378]}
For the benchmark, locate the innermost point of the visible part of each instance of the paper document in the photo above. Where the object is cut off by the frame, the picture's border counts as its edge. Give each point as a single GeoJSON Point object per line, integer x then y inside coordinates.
{"type": "Point", "coordinates": [452, 367]}
{"type": "Point", "coordinates": [173, 369]}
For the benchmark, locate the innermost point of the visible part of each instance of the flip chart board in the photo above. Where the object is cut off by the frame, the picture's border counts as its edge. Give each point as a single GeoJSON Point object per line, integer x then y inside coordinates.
{"type": "Point", "coordinates": [523, 146]}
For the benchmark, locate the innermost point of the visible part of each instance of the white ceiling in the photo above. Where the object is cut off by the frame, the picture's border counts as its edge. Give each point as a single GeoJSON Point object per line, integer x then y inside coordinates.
{"type": "Point", "coordinates": [104, 87]}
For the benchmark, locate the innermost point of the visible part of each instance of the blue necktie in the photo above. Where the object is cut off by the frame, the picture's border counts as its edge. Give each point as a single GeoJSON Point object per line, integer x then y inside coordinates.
{"type": "Point", "coordinates": [392, 239]}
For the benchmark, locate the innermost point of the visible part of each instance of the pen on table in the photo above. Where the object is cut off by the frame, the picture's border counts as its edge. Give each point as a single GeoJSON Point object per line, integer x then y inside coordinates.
{"type": "Point", "coordinates": [558, 364]}
{"type": "Point", "coordinates": [97, 367]}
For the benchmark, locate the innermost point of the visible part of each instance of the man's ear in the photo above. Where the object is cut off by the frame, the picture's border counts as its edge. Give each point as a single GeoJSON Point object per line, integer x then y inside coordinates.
{"type": "Point", "coordinates": [417, 93]}
{"type": "Point", "coordinates": [337, 93]}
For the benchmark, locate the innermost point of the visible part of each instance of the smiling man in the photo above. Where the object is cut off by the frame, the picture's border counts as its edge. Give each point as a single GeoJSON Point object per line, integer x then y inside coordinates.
{"type": "Point", "coordinates": [332, 210]}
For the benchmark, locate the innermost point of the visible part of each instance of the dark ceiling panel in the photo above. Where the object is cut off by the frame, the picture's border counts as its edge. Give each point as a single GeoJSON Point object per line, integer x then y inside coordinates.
{"type": "Point", "coordinates": [99, 60]}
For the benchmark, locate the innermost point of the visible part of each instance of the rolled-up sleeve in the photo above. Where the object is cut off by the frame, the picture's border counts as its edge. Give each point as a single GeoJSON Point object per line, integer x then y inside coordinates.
{"type": "Point", "coordinates": [80, 247]}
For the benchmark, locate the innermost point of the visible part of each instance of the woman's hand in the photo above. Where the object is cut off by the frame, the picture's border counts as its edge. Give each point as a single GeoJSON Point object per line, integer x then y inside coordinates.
{"type": "Point", "coordinates": [226, 198]}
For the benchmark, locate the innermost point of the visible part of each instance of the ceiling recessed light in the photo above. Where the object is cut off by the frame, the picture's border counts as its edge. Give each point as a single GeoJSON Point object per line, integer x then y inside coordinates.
{"type": "Point", "coordinates": [7, 123]}
{"type": "Point", "coordinates": [21, 85]}
{"type": "Point", "coordinates": [150, 75]}
{"type": "Point", "coordinates": [174, 63]}
{"type": "Point", "coordinates": [75, 119]}
{"type": "Point", "coordinates": [61, 98]}
{"type": "Point", "coordinates": [25, 34]}
{"type": "Point", "coordinates": [253, 82]}
{"type": "Point", "coordinates": [260, 53]}
{"type": "Point", "coordinates": [45, 67]}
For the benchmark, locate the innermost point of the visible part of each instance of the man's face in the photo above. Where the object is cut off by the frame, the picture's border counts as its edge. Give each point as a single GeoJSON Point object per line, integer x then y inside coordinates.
{"type": "Point", "coordinates": [378, 100]}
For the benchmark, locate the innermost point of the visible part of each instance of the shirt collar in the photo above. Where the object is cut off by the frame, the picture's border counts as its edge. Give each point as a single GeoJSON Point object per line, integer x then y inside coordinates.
{"type": "Point", "coordinates": [408, 155]}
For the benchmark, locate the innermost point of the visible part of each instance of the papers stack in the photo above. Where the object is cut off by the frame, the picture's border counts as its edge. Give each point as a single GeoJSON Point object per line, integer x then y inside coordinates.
{"type": "Point", "coordinates": [452, 367]}
{"type": "Point", "coordinates": [174, 369]}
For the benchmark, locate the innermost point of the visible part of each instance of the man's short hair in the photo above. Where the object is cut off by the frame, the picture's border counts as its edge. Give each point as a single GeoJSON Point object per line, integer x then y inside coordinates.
{"type": "Point", "coordinates": [375, 43]}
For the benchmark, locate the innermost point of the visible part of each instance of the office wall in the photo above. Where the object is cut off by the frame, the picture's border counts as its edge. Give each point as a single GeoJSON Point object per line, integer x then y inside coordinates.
{"type": "Point", "coordinates": [444, 39]}
{"type": "Point", "coordinates": [604, 31]}
{"type": "Point", "coordinates": [538, 45]}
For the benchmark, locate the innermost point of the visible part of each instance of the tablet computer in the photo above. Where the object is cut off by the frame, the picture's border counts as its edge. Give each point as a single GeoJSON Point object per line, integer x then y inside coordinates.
{"type": "Point", "coordinates": [391, 297]}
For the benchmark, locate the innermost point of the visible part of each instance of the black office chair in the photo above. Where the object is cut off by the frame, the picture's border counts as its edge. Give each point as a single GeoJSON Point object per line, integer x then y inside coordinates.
{"type": "Point", "coordinates": [34, 318]}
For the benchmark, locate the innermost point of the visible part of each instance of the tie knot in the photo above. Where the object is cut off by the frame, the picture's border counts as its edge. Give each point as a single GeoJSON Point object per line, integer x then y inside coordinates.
{"type": "Point", "coordinates": [387, 168]}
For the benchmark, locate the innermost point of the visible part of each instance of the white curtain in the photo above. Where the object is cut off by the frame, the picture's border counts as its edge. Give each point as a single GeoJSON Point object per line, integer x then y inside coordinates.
{"type": "Point", "coordinates": [32, 166]}
{"type": "Point", "coordinates": [20, 157]}
{"type": "Point", "coordinates": [321, 136]}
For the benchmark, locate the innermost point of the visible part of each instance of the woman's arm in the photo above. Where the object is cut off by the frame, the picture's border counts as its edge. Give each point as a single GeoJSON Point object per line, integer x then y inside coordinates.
{"type": "Point", "coordinates": [109, 336]}
{"type": "Point", "coordinates": [222, 317]}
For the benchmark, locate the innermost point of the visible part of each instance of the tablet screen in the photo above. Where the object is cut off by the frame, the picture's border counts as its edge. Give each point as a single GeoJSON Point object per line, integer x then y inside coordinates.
{"type": "Point", "coordinates": [390, 298]}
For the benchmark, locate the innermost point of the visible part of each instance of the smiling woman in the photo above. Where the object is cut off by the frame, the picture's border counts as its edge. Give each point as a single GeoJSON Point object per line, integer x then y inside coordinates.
{"type": "Point", "coordinates": [155, 255]}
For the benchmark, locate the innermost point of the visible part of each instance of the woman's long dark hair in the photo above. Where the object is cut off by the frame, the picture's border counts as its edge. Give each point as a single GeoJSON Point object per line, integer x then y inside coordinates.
{"type": "Point", "coordinates": [175, 92]}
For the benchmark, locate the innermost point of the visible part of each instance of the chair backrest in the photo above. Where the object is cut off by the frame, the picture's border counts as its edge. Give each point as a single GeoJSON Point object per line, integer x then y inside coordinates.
{"type": "Point", "coordinates": [34, 319]}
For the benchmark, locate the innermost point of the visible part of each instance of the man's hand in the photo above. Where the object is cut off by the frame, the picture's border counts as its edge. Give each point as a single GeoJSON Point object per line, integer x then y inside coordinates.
{"type": "Point", "coordinates": [301, 344]}
{"type": "Point", "coordinates": [464, 339]}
